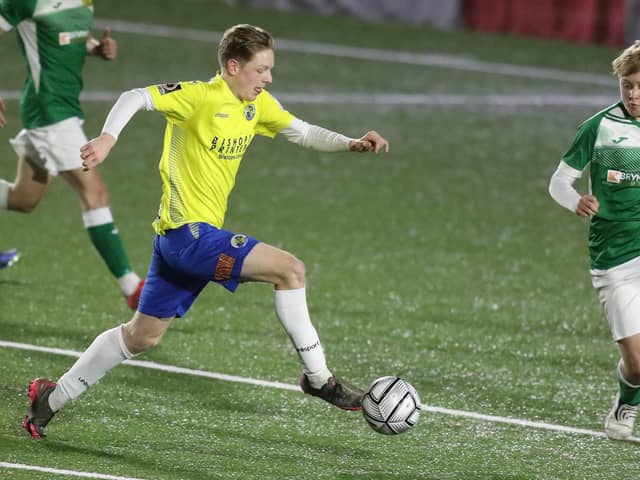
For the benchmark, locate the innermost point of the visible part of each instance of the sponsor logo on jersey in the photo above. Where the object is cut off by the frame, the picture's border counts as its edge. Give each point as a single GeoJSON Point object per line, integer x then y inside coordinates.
{"type": "Point", "coordinates": [249, 111]}
{"type": "Point", "coordinates": [230, 148]}
{"type": "Point", "coordinates": [221, 115]}
{"type": "Point", "coordinates": [619, 140]}
{"type": "Point", "coordinates": [239, 240]}
{"type": "Point", "coordinates": [168, 88]}
{"type": "Point", "coordinates": [626, 178]}
{"type": "Point", "coordinates": [65, 38]}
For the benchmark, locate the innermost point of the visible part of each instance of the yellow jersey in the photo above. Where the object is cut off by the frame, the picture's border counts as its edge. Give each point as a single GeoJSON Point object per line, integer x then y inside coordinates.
{"type": "Point", "coordinates": [208, 131]}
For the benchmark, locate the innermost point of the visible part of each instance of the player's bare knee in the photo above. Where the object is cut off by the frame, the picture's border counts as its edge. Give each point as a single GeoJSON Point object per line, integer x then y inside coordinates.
{"type": "Point", "coordinates": [293, 275]}
{"type": "Point", "coordinates": [138, 341]}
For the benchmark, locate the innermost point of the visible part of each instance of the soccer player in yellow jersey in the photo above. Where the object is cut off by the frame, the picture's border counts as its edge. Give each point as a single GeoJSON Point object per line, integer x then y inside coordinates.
{"type": "Point", "coordinates": [209, 127]}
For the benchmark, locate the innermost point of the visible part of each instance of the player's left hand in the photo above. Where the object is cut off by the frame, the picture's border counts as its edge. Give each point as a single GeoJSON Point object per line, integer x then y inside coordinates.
{"type": "Point", "coordinates": [94, 152]}
{"type": "Point", "coordinates": [108, 48]}
{"type": "Point", "coordinates": [371, 141]}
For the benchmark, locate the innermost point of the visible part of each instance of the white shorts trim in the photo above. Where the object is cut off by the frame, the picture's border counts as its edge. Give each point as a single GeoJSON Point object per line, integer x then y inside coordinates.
{"type": "Point", "coordinates": [619, 294]}
{"type": "Point", "coordinates": [55, 148]}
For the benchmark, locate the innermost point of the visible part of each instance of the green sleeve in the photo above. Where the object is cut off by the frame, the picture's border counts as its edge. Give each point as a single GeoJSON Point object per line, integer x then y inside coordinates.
{"type": "Point", "coordinates": [580, 152]}
{"type": "Point", "coordinates": [14, 11]}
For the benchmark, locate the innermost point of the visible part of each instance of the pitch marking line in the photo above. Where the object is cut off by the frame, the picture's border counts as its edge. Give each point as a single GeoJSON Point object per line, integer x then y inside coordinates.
{"type": "Point", "coordinates": [398, 99]}
{"type": "Point", "coordinates": [295, 388]}
{"type": "Point", "coordinates": [408, 58]}
{"type": "Point", "coordinates": [68, 473]}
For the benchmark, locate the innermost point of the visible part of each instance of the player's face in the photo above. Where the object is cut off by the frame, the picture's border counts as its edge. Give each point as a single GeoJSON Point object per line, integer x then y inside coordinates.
{"type": "Point", "coordinates": [630, 93]}
{"type": "Point", "coordinates": [255, 75]}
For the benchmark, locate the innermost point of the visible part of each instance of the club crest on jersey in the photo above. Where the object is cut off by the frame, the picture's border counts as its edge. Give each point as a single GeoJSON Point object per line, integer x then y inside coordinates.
{"type": "Point", "coordinates": [250, 111]}
{"type": "Point", "coordinates": [239, 240]}
{"type": "Point", "coordinates": [168, 88]}
{"type": "Point", "coordinates": [619, 140]}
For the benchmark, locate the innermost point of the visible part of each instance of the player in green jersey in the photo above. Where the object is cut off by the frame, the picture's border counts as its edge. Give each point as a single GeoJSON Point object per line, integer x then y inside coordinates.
{"type": "Point", "coordinates": [7, 257]}
{"type": "Point", "coordinates": [54, 38]}
{"type": "Point", "coordinates": [608, 144]}
{"type": "Point", "coordinates": [209, 127]}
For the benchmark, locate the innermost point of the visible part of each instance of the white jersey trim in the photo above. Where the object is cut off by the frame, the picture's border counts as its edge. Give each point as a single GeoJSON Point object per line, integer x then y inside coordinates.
{"type": "Point", "coordinates": [4, 25]}
{"type": "Point", "coordinates": [28, 32]}
{"type": "Point", "coordinates": [46, 7]}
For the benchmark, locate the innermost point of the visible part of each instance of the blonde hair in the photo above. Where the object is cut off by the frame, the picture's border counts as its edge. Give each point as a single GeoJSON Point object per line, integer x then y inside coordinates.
{"type": "Point", "coordinates": [241, 42]}
{"type": "Point", "coordinates": [628, 62]}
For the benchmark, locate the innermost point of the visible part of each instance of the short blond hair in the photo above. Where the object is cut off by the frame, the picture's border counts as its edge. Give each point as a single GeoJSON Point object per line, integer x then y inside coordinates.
{"type": "Point", "coordinates": [628, 62]}
{"type": "Point", "coordinates": [241, 42]}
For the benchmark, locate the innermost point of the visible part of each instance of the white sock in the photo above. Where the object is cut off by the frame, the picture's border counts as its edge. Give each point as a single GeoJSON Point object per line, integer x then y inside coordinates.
{"type": "Point", "coordinates": [97, 217]}
{"type": "Point", "coordinates": [291, 310]}
{"type": "Point", "coordinates": [129, 283]}
{"type": "Point", "coordinates": [106, 351]}
{"type": "Point", "coordinates": [4, 194]}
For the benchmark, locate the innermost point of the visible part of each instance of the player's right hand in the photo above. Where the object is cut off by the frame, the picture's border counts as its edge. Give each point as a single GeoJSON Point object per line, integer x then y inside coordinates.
{"type": "Point", "coordinates": [371, 141]}
{"type": "Point", "coordinates": [94, 152]}
{"type": "Point", "coordinates": [587, 206]}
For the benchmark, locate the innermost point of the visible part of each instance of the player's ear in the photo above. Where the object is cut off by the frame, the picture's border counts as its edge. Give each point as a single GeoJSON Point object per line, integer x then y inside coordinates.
{"type": "Point", "coordinates": [233, 66]}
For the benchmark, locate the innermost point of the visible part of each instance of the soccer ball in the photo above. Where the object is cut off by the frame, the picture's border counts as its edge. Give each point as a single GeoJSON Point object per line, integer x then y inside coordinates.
{"type": "Point", "coordinates": [391, 405]}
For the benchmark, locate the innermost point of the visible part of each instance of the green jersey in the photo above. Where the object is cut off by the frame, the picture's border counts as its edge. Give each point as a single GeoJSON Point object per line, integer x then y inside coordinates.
{"type": "Point", "coordinates": [609, 142]}
{"type": "Point", "coordinates": [52, 35]}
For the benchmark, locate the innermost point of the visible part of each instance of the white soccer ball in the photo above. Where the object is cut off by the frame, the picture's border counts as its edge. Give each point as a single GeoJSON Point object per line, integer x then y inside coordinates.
{"type": "Point", "coordinates": [391, 405]}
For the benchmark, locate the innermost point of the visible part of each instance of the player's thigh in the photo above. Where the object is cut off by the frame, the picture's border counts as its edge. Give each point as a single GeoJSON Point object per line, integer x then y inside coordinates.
{"type": "Point", "coordinates": [30, 184]}
{"type": "Point", "coordinates": [266, 263]}
{"type": "Point", "coordinates": [144, 331]}
{"type": "Point", "coordinates": [89, 187]}
{"type": "Point", "coordinates": [56, 147]}
{"type": "Point", "coordinates": [621, 302]}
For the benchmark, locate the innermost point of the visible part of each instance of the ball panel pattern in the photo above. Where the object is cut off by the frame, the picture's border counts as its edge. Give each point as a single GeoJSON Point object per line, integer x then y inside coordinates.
{"type": "Point", "coordinates": [391, 405]}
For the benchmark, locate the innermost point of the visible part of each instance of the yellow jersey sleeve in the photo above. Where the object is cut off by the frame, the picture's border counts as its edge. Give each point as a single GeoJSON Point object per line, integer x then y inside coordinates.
{"type": "Point", "coordinates": [272, 116]}
{"type": "Point", "coordinates": [177, 101]}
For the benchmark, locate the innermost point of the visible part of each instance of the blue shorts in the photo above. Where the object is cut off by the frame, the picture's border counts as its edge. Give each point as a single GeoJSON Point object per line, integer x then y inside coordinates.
{"type": "Point", "coordinates": [184, 260]}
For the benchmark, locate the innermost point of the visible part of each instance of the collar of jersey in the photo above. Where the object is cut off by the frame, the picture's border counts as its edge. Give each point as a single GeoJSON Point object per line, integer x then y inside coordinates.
{"type": "Point", "coordinates": [227, 90]}
{"type": "Point", "coordinates": [627, 114]}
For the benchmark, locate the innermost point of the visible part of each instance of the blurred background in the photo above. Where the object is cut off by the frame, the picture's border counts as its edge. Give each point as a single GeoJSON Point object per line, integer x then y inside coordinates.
{"type": "Point", "coordinates": [444, 261]}
{"type": "Point", "coordinates": [611, 22]}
